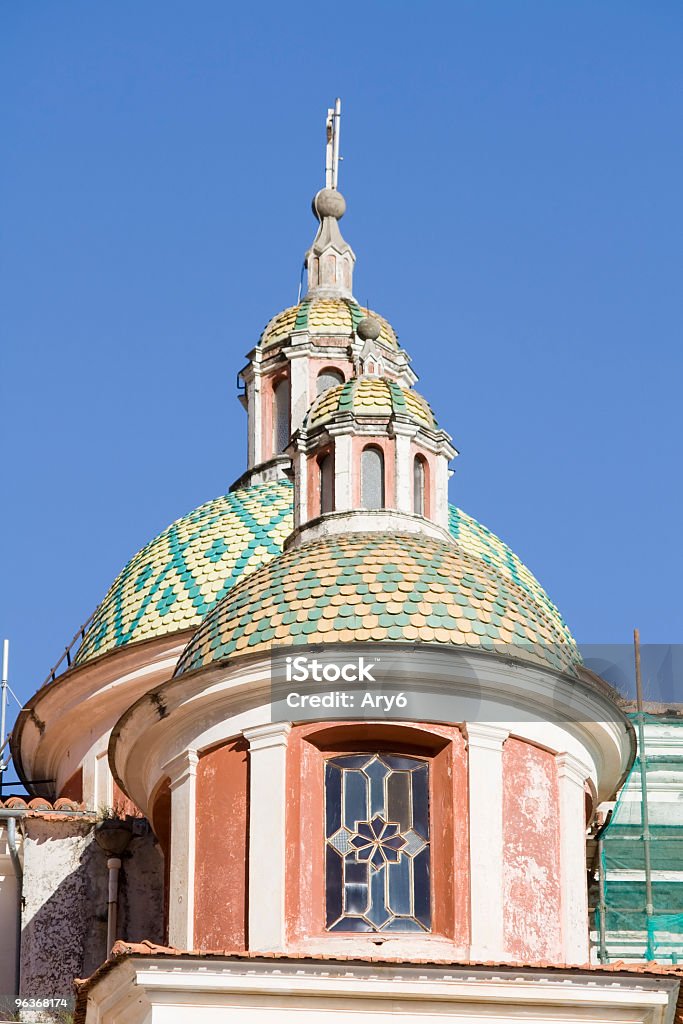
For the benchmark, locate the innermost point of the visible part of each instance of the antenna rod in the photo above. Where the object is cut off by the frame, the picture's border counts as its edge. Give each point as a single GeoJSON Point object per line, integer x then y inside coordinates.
{"type": "Point", "coordinates": [4, 761]}
{"type": "Point", "coordinates": [3, 685]}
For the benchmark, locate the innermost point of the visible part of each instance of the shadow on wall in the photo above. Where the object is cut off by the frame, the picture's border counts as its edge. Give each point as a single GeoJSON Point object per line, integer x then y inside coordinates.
{"type": "Point", "coordinates": [64, 922]}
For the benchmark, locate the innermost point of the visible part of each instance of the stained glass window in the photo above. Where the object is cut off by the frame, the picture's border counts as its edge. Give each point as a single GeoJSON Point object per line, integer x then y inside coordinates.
{"type": "Point", "coordinates": [280, 417]}
{"type": "Point", "coordinates": [328, 379]}
{"type": "Point", "coordinates": [377, 849]}
{"type": "Point", "coordinates": [326, 469]}
{"type": "Point", "coordinates": [372, 478]}
{"type": "Point", "coordinates": [418, 486]}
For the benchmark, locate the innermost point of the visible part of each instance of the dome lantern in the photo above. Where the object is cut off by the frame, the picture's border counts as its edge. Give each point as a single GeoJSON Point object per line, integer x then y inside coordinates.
{"type": "Point", "coordinates": [370, 456]}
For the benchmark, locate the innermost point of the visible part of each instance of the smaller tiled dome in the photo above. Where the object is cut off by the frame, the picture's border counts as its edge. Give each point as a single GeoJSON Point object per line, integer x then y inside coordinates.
{"type": "Point", "coordinates": [324, 316]}
{"type": "Point", "coordinates": [385, 588]}
{"type": "Point", "coordinates": [370, 396]}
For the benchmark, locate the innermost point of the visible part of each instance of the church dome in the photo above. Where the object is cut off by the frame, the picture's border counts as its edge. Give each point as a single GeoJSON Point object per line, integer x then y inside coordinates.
{"type": "Point", "coordinates": [389, 588]}
{"type": "Point", "coordinates": [324, 316]}
{"type": "Point", "coordinates": [178, 578]}
{"type": "Point", "coordinates": [370, 396]}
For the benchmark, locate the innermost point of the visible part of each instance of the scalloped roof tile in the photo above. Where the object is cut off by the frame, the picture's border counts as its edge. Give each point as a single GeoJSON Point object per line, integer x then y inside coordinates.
{"type": "Point", "coordinates": [370, 396]}
{"type": "Point", "coordinates": [324, 316]}
{"type": "Point", "coordinates": [176, 579]}
{"type": "Point", "coordinates": [384, 588]}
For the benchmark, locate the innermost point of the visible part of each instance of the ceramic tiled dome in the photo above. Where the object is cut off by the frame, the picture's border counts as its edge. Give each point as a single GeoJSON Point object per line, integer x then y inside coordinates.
{"type": "Point", "coordinates": [383, 588]}
{"type": "Point", "coordinates": [370, 396]}
{"type": "Point", "coordinates": [176, 579]}
{"type": "Point", "coordinates": [324, 316]}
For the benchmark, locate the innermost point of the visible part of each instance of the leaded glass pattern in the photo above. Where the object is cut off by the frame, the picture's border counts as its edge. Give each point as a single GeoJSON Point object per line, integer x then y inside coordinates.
{"type": "Point", "coordinates": [418, 486]}
{"type": "Point", "coordinates": [377, 848]}
{"type": "Point", "coordinates": [372, 478]}
{"type": "Point", "coordinates": [326, 469]}
{"type": "Point", "coordinates": [281, 417]}
{"type": "Point", "coordinates": [328, 379]}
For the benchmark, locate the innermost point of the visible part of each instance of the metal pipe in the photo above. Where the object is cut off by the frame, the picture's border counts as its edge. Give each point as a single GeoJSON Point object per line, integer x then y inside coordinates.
{"type": "Point", "coordinates": [644, 807]}
{"type": "Point", "coordinates": [114, 866]}
{"type": "Point", "coordinates": [19, 874]}
{"type": "Point", "coordinates": [602, 901]}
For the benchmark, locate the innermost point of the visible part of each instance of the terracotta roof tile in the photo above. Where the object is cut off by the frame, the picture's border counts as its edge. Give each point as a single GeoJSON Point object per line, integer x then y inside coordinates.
{"type": "Point", "coordinates": [124, 950]}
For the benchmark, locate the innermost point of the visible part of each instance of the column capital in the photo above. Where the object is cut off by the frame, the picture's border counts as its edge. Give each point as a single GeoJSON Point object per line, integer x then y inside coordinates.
{"type": "Point", "coordinates": [262, 737]}
{"type": "Point", "coordinates": [485, 735]}
{"type": "Point", "coordinates": [181, 767]}
{"type": "Point", "coordinates": [569, 767]}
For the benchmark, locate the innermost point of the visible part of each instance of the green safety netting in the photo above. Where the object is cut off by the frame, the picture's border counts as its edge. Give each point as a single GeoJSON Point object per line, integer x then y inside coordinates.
{"type": "Point", "coordinates": [629, 931]}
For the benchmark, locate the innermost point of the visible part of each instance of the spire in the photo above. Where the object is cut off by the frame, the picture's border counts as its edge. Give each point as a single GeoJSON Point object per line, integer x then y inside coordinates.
{"type": "Point", "coordinates": [330, 259]}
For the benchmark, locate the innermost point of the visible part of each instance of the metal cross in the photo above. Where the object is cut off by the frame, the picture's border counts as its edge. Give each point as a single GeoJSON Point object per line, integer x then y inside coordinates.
{"type": "Point", "coordinates": [332, 150]}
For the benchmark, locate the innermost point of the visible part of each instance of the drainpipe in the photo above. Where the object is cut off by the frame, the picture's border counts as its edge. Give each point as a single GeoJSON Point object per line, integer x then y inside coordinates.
{"type": "Point", "coordinates": [11, 818]}
{"type": "Point", "coordinates": [113, 836]}
{"type": "Point", "coordinates": [602, 909]}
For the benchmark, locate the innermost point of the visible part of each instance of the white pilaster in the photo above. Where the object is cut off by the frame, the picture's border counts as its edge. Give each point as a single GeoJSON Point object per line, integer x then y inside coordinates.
{"type": "Point", "coordinates": [343, 472]}
{"type": "Point", "coordinates": [255, 406]}
{"type": "Point", "coordinates": [485, 755]}
{"type": "Point", "coordinates": [440, 511]}
{"type": "Point", "coordinates": [182, 773]}
{"type": "Point", "coordinates": [267, 838]}
{"type": "Point", "coordinates": [404, 473]}
{"type": "Point", "coordinates": [300, 371]}
{"type": "Point", "coordinates": [572, 775]}
{"type": "Point", "coordinates": [301, 493]}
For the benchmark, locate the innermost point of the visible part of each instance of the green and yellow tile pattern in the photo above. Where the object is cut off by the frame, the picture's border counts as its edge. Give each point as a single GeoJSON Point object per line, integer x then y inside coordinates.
{"type": "Point", "coordinates": [179, 576]}
{"type": "Point", "coordinates": [323, 316]}
{"type": "Point", "coordinates": [176, 579]}
{"type": "Point", "coordinates": [370, 396]}
{"type": "Point", "coordinates": [382, 588]}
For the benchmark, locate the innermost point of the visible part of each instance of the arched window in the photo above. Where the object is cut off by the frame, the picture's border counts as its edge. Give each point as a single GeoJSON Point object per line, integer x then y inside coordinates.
{"type": "Point", "coordinates": [419, 481]}
{"type": "Point", "coordinates": [372, 478]}
{"type": "Point", "coordinates": [327, 379]}
{"type": "Point", "coordinates": [326, 470]}
{"type": "Point", "coordinates": [280, 416]}
{"type": "Point", "coordinates": [377, 844]}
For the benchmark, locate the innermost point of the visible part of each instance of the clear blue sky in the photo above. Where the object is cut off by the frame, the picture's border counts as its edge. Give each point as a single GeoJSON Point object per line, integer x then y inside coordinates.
{"type": "Point", "coordinates": [513, 177]}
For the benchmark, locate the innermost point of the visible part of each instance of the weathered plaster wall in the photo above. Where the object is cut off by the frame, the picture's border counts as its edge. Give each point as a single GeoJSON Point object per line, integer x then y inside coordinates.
{"type": "Point", "coordinates": [221, 848]}
{"type": "Point", "coordinates": [531, 852]}
{"type": "Point", "coordinates": [64, 922]}
{"type": "Point", "coordinates": [8, 916]}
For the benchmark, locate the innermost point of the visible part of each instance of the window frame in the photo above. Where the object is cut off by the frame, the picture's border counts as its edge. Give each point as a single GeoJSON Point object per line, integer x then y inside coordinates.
{"type": "Point", "coordinates": [373, 449]}
{"type": "Point", "coordinates": [309, 746]}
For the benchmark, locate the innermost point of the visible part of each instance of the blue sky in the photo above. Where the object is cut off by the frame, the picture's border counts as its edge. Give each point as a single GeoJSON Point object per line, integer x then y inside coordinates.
{"type": "Point", "coordinates": [513, 177]}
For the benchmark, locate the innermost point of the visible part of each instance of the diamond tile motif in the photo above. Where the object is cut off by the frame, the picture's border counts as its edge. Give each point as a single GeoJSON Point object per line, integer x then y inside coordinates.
{"type": "Point", "coordinates": [200, 557]}
{"type": "Point", "coordinates": [413, 843]}
{"type": "Point", "coordinates": [179, 576]}
{"type": "Point", "coordinates": [370, 396]}
{"type": "Point", "coordinates": [341, 841]}
{"type": "Point", "coordinates": [323, 316]}
{"type": "Point", "coordinates": [450, 597]}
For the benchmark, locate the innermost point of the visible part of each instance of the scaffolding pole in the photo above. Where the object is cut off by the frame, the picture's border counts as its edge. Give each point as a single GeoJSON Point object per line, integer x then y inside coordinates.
{"type": "Point", "coordinates": [644, 809]}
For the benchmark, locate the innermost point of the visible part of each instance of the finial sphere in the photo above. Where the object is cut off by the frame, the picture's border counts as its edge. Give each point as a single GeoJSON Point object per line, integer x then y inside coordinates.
{"type": "Point", "coordinates": [329, 203]}
{"type": "Point", "coordinates": [368, 329]}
